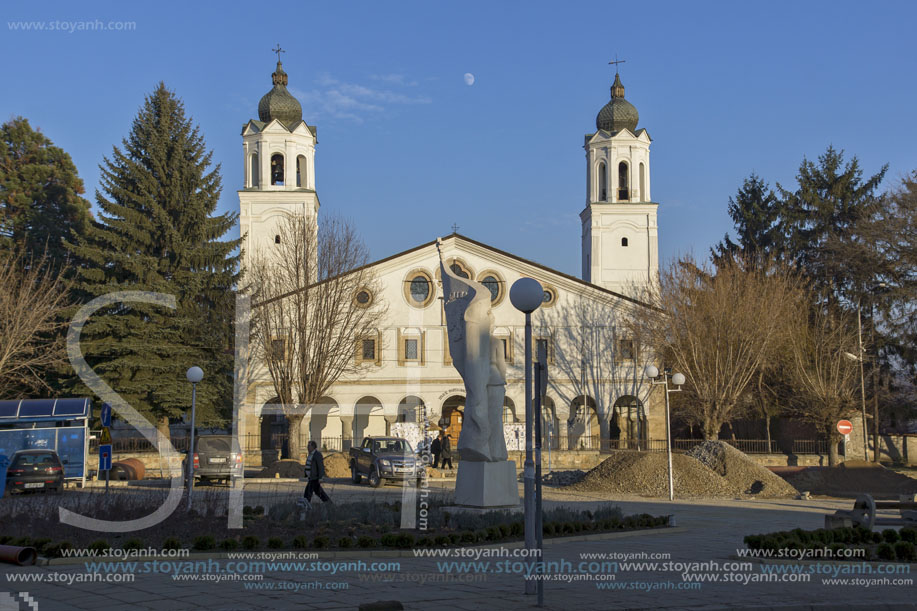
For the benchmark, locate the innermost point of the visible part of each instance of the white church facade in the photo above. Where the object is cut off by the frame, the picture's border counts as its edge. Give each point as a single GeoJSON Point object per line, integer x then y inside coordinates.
{"type": "Point", "coordinates": [597, 396]}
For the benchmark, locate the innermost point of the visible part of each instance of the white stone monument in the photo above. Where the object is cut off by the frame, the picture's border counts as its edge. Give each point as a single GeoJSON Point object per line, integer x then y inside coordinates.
{"type": "Point", "coordinates": [486, 479]}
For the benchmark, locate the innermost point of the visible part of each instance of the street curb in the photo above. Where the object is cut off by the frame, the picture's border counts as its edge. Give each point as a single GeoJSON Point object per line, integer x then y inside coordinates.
{"type": "Point", "coordinates": [334, 555]}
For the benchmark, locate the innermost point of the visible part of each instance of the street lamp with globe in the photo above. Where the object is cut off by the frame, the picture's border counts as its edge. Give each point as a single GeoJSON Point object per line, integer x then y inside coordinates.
{"type": "Point", "coordinates": [194, 375]}
{"type": "Point", "coordinates": [527, 295]}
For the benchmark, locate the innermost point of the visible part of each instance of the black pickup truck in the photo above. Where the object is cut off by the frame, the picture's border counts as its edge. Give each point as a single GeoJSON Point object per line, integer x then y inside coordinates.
{"type": "Point", "coordinates": [382, 458]}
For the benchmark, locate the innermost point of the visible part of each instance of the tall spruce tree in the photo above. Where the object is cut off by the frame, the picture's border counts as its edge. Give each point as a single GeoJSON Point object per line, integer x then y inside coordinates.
{"type": "Point", "coordinates": [40, 194]}
{"type": "Point", "coordinates": [756, 213]}
{"type": "Point", "coordinates": [157, 231]}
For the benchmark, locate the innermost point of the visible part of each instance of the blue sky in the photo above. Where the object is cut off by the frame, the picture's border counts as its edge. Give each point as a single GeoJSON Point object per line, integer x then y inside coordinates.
{"type": "Point", "coordinates": [406, 148]}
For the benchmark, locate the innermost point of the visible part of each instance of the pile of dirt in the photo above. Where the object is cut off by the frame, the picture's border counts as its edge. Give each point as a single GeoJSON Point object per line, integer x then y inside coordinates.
{"type": "Point", "coordinates": [563, 478]}
{"type": "Point", "coordinates": [336, 465]}
{"type": "Point", "coordinates": [851, 479]}
{"type": "Point", "coordinates": [740, 471]}
{"type": "Point", "coordinates": [646, 473]}
{"type": "Point", "coordinates": [282, 468]}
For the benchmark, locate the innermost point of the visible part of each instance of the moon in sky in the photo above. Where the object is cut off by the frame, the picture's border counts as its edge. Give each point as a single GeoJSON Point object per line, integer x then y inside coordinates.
{"type": "Point", "coordinates": [469, 79]}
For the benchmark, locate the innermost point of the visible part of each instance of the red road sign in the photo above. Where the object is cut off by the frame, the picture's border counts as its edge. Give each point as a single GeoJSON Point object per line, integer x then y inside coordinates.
{"type": "Point", "coordinates": [844, 427]}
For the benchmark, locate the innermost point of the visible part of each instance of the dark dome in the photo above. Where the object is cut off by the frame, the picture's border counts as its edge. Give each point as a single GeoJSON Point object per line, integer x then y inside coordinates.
{"type": "Point", "coordinates": [279, 104]}
{"type": "Point", "coordinates": [618, 113]}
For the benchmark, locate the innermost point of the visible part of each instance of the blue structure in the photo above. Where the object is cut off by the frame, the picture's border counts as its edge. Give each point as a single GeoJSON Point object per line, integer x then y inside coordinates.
{"type": "Point", "coordinates": [61, 425]}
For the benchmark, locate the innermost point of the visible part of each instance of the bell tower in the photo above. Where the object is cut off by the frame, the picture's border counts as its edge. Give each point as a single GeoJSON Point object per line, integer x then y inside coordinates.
{"type": "Point", "coordinates": [279, 161]}
{"type": "Point", "coordinates": [620, 250]}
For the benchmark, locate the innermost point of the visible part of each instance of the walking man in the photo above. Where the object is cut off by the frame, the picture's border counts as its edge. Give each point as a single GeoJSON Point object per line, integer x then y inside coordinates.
{"type": "Point", "coordinates": [445, 449]}
{"type": "Point", "coordinates": [315, 471]}
{"type": "Point", "coordinates": [435, 450]}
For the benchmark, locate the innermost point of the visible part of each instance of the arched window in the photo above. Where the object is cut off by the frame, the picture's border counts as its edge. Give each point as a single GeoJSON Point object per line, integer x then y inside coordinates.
{"type": "Point", "coordinates": [277, 169]}
{"type": "Point", "coordinates": [277, 239]}
{"type": "Point", "coordinates": [623, 241]}
{"type": "Point", "coordinates": [255, 169]}
{"type": "Point", "coordinates": [603, 182]}
{"type": "Point", "coordinates": [623, 192]}
{"type": "Point", "coordinates": [643, 197]}
{"type": "Point", "coordinates": [301, 171]}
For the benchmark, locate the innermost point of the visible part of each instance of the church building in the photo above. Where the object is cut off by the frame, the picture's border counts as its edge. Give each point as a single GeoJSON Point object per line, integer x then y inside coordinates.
{"type": "Point", "coordinates": [597, 398]}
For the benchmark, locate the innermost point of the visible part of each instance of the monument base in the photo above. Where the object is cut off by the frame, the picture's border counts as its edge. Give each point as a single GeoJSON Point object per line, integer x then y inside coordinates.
{"type": "Point", "coordinates": [486, 484]}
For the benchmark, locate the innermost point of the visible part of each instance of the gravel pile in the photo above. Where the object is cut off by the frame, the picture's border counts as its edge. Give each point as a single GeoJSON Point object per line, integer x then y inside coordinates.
{"type": "Point", "coordinates": [563, 478]}
{"type": "Point", "coordinates": [742, 472]}
{"type": "Point", "coordinates": [336, 466]}
{"type": "Point", "coordinates": [646, 473]}
{"type": "Point", "coordinates": [853, 478]}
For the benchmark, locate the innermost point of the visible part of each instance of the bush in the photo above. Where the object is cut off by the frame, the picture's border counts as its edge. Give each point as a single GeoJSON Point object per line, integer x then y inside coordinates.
{"type": "Point", "coordinates": [133, 544]}
{"type": "Point", "coordinates": [906, 551]}
{"type": "Point", "coordinates": [247, 510]}
{"type": "Point", "coordinates": [387, 540]}
{"type": "Point", "coordinates": [55, 550]}
{"type": "Point", "coordinates": [404, 541]}
{"type": "Point", "coordinates": [5, 539]}
{"type": "Point", "coordinates": [22, 542]}
{"type": "Point", "coordinates": [877, 537]}
{"type": "Point", "coordinates": [468, 537]}
{"type": "Point", "coordinates": [300, 542]}
{"type": "Point", "coordinates": [250, 542]}
{"type": "Point", "coordinates": [886, 552]}
{"type": "Point", "coordinates": [258, 510]}
{"type": "Point", "coordinates": [204, 542]}
{"type": "Point", "coordinates": [441, 541]}
{"type": "Point", "coordinates": [229, 544]}
{"type": "Point", "coordinates": [908, 534]}
{"type": "Point", "coordinates": [890, 535]}
{"type": "Point", "coordinates": [171, 543]}
{"type": "Point", "coordinates": [366, 541]}
{"type": "Point", "coordinates": [345, 542]}
{"type": "Point", "coordinates": [320, 542]}
{"type": "Point", "coordinates": [516, 529]}
{"type": "Point", "coordinates": [275, 543]}
{"type": "Point", "coordinates": [40, 544]}
{"type": "Point", "coordinates": [504, 530]}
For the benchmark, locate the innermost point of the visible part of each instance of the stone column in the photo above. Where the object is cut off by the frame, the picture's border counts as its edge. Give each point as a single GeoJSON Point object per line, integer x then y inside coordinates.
{"type": "Point", "coordinates": [390, 419]}
{"type": "Point", "coordinates": [346, 433]}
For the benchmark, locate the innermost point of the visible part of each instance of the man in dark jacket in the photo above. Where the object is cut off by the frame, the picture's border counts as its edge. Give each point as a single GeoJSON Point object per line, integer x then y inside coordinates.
{"type": "Point", "coordinates": [314, 472]}
{"type": "Point", "coordinates": [435, 449]}
{"type": "Point", "coordinates": [445, 444]}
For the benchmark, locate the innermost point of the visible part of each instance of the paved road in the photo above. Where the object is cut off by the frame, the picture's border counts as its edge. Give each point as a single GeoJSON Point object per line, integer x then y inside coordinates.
{"type": "Point", "coordinates": [707, 531]}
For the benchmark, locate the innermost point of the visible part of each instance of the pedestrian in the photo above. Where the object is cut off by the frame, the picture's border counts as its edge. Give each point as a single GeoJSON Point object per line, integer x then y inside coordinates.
{"type": "Point", "coordinates": [314, 472]}
{"type": "Point", "coordinates": [445, 450]}
{"type": "Point", "coordinates": [435, 449]}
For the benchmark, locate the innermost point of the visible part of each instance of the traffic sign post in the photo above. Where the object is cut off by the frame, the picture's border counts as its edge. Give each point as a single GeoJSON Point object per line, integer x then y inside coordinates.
{"type": "Point", "coordinates": [105, 416]}
{"type": "Point", "coordinates": [845, 427]}
{"type": "Point", "coordinates": [105, 461]}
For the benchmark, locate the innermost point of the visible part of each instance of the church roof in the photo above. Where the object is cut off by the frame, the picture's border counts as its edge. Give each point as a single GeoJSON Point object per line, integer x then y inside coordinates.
{"type": "Point", "coordinates": [278, 103]}
{"type": "Point", "coordinates": [618, 113]}
{"type": "Point", "coordinates": [460, 237]}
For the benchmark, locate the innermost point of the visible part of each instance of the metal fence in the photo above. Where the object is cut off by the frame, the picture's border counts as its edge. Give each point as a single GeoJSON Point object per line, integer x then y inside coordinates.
{"type": "Point", "coordinates": [253, 442]}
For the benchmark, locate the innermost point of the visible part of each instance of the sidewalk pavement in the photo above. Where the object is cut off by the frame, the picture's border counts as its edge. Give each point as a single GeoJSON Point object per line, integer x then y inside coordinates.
{"type": "Point", "coordinates": [708, 531]}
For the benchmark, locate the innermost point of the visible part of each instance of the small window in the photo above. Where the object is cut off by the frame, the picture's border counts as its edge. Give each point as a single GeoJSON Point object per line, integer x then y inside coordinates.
{"type": "Point", "coordinates": [625, 350]}
{"type": "Point", "coordinates": [548, 298]}
{"type": "Point", "coordinates": [623, 241]}
{"type": "Point", "coordinates": [418, 289]}
{"type": "Point", "coordinates": [369, 350]}
{"type": "Point", "coordinates": [459, 270]}
{"type": "Point", "coordinates": [277, 239]}
{"type": "Point", "coordinates": [411, 350]}
{"type": "Point", "coordinates": [301, 171]}
{"type": "Point", "coordinates": [277, 169]}
{"type": "Point", "coordinates": [278, 349]}
{"type": "Point", "coordinates": [507, 355]}
{"type": "Point", "coordinates": [623, 192]}
{"type": "Point", "coordinates": [603, 183]}
{"type": "Point", "coordinates": [363, 298]}
{"type": "Point", "coordinates": [508, 416]}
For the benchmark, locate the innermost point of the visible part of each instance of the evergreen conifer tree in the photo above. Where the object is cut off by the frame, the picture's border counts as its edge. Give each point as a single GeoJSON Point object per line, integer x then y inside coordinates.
{"type": "Point", "coordinates": [157, 231]}
{"type": "Point", "coordinates": [40, 194]}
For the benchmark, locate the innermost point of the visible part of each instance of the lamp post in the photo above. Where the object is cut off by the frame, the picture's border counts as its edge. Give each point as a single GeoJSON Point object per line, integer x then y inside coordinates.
{"type": "Point", "coordinates": [526, 295]}
{"type": "Point", "coordinates": [194, 375]}
{"type": "Point", "coordinates": [862, 381]}
{"type": "Point", "coordinates": [658, 378]}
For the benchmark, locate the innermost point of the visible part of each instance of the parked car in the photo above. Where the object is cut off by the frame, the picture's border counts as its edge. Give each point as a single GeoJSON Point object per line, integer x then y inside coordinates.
{"type": "Point", "coordinates": [383, 458]}
{"type": "Point", "coordinates": [214, 459]}
{"type": "Point", "coordinates": [35, 470]}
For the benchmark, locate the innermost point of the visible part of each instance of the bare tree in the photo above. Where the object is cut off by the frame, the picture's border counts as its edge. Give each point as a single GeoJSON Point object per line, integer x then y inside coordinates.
{"type": "Point", "coordinates": [598, 353]}
{"type": "Point", "coordinates": [825, 382]}
{"type": "Point", "coordinates": [33, 299]}
{"type": "Point", "coordinates": [719, 327]}
{"type": "Point", "coordinates": [312, 303]}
